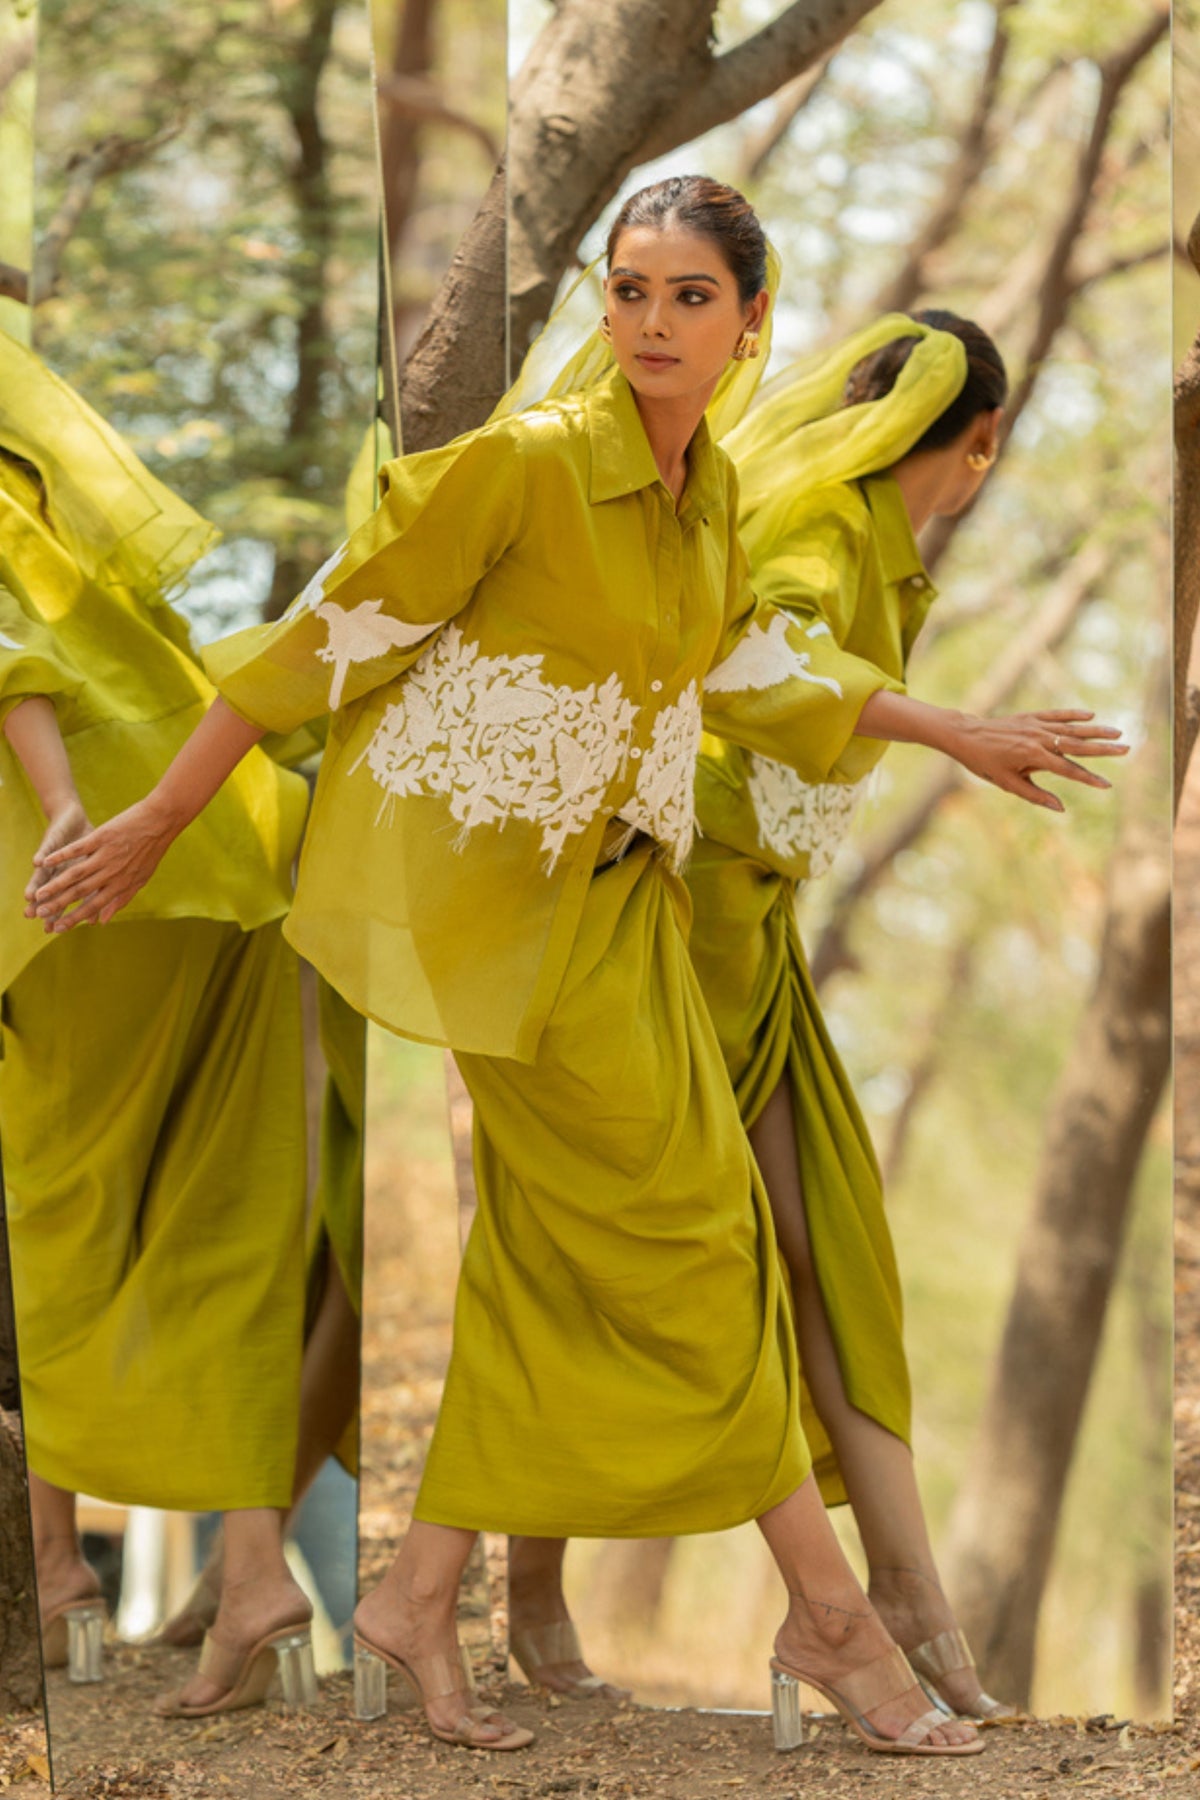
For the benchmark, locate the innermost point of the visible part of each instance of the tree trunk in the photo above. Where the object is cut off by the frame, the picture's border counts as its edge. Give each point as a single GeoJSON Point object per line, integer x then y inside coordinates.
{"type": "Point", "coordinates": [1187, 541]}
{"type": "Point", "coordinates": [630, 1581]}
{"type": "Point", "coordinates": [1003, 1528]}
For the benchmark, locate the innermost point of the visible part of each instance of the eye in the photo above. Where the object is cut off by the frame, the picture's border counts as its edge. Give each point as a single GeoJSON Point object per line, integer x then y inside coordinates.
{"type": "Point", "coordinates": [694, 296]}
{"type": "Point", "coordinates": [626, 290]}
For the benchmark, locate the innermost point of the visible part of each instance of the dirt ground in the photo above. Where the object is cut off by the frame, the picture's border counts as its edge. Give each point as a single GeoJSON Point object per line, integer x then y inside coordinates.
{"type": "Point", "coordinates": [633, 1753]}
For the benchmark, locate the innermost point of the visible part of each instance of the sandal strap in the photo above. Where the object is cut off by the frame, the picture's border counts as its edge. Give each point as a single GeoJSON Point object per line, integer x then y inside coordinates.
{"type": "Point", "coordinates": [942, 1655]}
{"type": "Point", "coordinates": [875, 1683]}
{"type": "Point", "coordinates": [218, 1663]}
{"type": "Point", "coordinates": [922, 1728]}
{"type": "Point", "coordinates": [438, 1676]}
{"type": "Point", "coordinates": [546, 1645]}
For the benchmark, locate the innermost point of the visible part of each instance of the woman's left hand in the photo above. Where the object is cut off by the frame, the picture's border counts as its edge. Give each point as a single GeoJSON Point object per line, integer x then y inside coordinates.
{"type": "Point", "coordinates": [88, 881]}
{"type": "Point", "coordinates": [1009, 751]}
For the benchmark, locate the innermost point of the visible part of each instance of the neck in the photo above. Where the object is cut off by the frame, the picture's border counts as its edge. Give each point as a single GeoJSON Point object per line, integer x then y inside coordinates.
{"type": "Point", "coordinates": [921, 480]}
{"type": "Point", "coordinates": [670, 426]}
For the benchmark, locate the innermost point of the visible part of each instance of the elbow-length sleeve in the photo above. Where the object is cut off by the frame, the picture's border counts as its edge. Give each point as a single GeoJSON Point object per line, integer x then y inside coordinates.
{"type": "Point", "coordinates": [782, 685]}
{"type": "Point", "coordinates": [31, 663]}
{"type": "Point", "coordinates": [445, 517]}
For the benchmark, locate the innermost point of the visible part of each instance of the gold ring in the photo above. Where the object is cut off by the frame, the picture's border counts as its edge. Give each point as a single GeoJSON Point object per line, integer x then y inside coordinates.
{"type": "Point", "coordinates": [1058, 746]}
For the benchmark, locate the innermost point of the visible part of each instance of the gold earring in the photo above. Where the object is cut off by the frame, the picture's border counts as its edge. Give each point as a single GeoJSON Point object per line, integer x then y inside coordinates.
{"type": "Point", "coordinates": [978, 460]}
{"type": "Point", "coordinates": [747, 347]}
{"type": "Point", "coordinates": [605, 329]}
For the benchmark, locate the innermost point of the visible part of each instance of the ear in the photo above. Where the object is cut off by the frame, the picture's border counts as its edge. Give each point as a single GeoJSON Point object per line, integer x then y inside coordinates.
{"type": "Point", "coordinates": [757, 311]}
{"type": "Point", "coordinates": [985, 431]}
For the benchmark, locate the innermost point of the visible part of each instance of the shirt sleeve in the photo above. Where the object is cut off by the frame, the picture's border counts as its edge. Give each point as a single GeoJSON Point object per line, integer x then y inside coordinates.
{"type": "Point", "coordinates": [782, 686]}
{"type": "Point", "coordinates": [446, 516]}
{"type": "Point", "coordinates": [31, 662]}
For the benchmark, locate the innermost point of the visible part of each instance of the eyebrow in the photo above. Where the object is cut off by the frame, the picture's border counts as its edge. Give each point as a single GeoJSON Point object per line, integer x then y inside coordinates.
{"type": "Point", "coordinates": [672, 280]}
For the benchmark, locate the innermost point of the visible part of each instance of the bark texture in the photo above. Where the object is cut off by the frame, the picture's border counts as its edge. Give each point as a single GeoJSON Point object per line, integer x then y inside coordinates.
{"type": "Point", "coordinates": [1005, 1520]}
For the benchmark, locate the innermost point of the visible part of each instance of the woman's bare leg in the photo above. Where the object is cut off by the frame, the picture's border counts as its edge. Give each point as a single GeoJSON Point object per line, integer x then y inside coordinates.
{"type": "Point", "coordinates": [831, 1628]}
{"type": "Point", "coordinates": [259, 1593]}
{"type": "Point", "coordinates": [62, 1572]}
{"type": "Point", "coordinates": [413, 1612]}
{"type": "Point", "coordinates": [877, 1466]}
{"type": "Point", "coordinates": [328, 1396]}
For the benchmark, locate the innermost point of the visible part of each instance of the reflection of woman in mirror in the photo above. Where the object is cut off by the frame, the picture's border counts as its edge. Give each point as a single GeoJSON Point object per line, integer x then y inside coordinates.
{"type": "Point", "coordinates": [832, 497]}
{"type": "Point", "coordinates": [151, 1086]}
{"type": "Point", "coordinates": [517, 648]}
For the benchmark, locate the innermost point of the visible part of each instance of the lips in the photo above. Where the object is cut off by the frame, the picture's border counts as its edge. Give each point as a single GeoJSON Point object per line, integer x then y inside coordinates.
{"type": "Point", "coordinates": [650, 360]}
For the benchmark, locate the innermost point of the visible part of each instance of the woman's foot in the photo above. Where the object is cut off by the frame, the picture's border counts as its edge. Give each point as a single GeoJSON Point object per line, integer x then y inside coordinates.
{"type": "Point", "coordinates": [418, 1628]}
{"type": "Point", "coordinates": [830, 1643]}
{"type": "Point", "coordinates": [540, 1633]}
{"type": "Point", "coordinates": [915, 1611]}
{"type": "Point", "coordinates": [64, 1575]}
{"type": "Point", "coordinates": [248, 1612]}
{"type": "Point", "coordinates": [186, 1626]}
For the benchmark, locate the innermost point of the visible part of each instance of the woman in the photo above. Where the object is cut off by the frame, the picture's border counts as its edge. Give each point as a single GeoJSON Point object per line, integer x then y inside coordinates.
{"type": "Point", "coordinates": [841, 467]}
{"type": "Point", "coordinates": [515, 650]}
{"type": "Point", "coordinates": [151, 1084]}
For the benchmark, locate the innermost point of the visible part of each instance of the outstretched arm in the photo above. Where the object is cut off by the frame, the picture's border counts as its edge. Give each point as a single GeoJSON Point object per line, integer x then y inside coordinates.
{"type": "Point", "coordinates": [1004, 751]}
{"type": "Point", "coordinates": [100, 873]}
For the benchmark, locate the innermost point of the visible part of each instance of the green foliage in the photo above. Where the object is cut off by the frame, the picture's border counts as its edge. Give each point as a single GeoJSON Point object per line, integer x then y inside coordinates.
{"type": "Point", "coordinates": [179, 304]}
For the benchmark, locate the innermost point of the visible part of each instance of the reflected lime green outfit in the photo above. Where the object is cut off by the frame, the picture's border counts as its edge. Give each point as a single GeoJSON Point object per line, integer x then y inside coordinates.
{"type": "Point", "coordinates": [151, 1079]}
{"type": "Point", "coordinates": [838, 556]}
{"type": "Point", "coordinates": [520, 649]}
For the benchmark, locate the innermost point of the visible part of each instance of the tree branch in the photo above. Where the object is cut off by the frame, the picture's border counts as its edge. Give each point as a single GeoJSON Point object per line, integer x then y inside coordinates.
{"type": "Point", "coordinates": [14, 283]}
{"type": "Point", "coordinates": [789, 104]}
{"type": "Point", "coordinates": [84, 171]}
{"type": "Point", "coordinates": [974, 147]}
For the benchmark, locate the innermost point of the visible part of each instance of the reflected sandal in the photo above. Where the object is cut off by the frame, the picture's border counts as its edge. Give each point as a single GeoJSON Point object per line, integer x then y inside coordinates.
{"type": "Point", "coordinates": [73, 1638]}
{"type": "Point", "coordinates": [246, 1675]}
{"type": "Point", "coordinates": [429, 1678]}
{"type": "Point", "coordinates": [945, 1655]}
{"type": "Point", "coordinates": [548, 1646]}
{"type": "Point", "coordinates": [886, 1678]}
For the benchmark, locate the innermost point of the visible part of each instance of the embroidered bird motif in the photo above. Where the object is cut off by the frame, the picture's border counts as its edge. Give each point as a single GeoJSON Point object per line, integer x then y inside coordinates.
{"type": "Point", "coordinates": [360, 634]}
{"type": "Point", "coordinates": [764, 658]}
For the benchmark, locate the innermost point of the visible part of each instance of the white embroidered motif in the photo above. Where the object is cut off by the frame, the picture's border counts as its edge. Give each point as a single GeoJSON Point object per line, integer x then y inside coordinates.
{"type": "Point", "coordinates": [797, 817]}
{"type": "Point", "coordinates": [315, 591]}
{"type": "Point", "coordinates": [663, 802]}
{"type": "Point", "coordinates": [498, 741]}
{"type": "Point", "coordinates": [8, 643]}
{"type": "Point", "coordinates": [763, 659]}
{"type": "Point", "coordinates": [820, 629]}
{"type": "Point", "coordinates": [359, 634]}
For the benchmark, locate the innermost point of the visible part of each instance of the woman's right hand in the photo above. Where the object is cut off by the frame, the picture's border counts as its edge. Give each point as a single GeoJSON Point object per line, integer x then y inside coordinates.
{"type": "Point", "coordinates": [88, 881]}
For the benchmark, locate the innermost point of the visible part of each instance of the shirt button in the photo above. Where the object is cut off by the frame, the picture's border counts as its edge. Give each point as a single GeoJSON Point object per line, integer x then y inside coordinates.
{"type": "Point", "coordinates": [635, 752]}
{"type": "Point", "coordinates": [919, 581]}
{"type": "Point", "coordinates": [656, 687]}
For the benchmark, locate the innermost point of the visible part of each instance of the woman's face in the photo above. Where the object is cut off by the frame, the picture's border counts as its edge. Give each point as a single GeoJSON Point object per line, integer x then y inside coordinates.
{"type": "Point", "coordinates": [674, 311]}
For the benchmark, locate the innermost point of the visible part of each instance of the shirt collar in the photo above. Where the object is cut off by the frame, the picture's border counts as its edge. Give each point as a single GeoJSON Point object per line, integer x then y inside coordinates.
{"type": "Point", "coordinates": [898, 550]}
{"type": "Point", "coordinates": [622, 460]}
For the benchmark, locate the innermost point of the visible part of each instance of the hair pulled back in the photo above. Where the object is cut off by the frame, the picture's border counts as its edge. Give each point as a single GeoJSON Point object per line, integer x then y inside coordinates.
{"type": "Point", "coordinates": [985, 387]}
{"type": "Point", "coordinates": [712, 210]}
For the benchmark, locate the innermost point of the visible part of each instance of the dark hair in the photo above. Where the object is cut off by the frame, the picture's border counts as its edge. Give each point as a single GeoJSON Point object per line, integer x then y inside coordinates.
{"type": "Point", "coordinates": [712, 210]}
{"type": "Point", "coordinates": [986, 385]}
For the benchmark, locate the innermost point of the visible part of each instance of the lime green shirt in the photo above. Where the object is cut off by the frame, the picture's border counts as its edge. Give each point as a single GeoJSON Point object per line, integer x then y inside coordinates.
{"type": "Point", "coordinates": [127, 691]}
{"type": "Point", "coordinates": [517, 648]}
{"type": "Point", "coordinates": [846, 567]}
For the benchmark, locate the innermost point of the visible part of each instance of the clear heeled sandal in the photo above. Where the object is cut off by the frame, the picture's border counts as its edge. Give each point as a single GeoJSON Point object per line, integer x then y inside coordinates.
{"type": "Point", "coordinates": [944, 1655]}
{"type": "Point", "coordinates": [885, 1678]}
{"type": "Point", "coordinates": [426, 1678]}
{"type": "Point", "coordinates": [73, 1639]}
{"type": "Point", "coordinates": [550, 1646]}
{"type": "Point", "coordinates": [246, 1675]}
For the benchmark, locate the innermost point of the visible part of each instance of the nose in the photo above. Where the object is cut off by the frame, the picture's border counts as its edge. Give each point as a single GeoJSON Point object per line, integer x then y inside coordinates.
{"type": "Point", "coordinates": [655, 322]}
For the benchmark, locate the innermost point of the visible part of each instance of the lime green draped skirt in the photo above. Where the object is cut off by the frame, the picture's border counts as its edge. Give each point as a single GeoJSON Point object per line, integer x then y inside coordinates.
{"type": "Point", "coordinates": [152, 1130]}
{"type": "Point", "coordinates": [745, 944]}
{"type": "Point", "coordinates": [623, 1361]}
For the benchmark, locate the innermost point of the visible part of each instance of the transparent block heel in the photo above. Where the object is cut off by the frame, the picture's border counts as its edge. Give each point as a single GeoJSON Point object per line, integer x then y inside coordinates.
{"type": "Point", "coordinates": [370, 1684]}
{"type": "Point", "coordinates": [297, 1671]}
{"type": "Point", "coordinates": [786, 1716]}
{"type": "Point", "coordinates": [85, 1642]}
